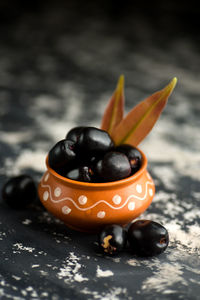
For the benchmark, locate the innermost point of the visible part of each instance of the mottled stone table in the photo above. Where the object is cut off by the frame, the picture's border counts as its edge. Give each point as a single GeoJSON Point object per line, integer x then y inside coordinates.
{"type": "Point", "coordinates": [59, 64]}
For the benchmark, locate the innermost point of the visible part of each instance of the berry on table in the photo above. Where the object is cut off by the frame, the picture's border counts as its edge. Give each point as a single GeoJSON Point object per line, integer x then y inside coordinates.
{"type": "Point", "coordinates": [113, 166]}
{"type": "Point", "coordinates": [19, 191]}
{"type": "Point", "coordinates": [147, 238]}
{"type": "Point", "coordinates": [112, 239]}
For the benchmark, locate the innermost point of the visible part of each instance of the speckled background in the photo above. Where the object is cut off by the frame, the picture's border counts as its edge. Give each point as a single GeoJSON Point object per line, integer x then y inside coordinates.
{"type": "Point", "coordinates": [59, 64]}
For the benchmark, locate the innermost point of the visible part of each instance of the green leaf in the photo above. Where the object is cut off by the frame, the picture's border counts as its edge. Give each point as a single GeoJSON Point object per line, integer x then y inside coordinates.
{"type": "Point", "coordinates": [114, 111]}
{"type": "Point", "coordinates": [141, 119]}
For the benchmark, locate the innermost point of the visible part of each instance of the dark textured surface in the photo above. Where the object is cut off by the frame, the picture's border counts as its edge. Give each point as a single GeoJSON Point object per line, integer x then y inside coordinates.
{"type": "Point", "coordinates": [59, 63]}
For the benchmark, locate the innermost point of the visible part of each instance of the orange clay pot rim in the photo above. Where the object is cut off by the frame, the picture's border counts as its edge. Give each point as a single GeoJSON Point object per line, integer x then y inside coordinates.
{"type": "Point", "coordinates": [79, 184]}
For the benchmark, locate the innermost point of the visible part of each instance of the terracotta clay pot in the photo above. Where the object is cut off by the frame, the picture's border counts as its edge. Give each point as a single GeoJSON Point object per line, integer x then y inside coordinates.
{"type": "Point", "coordinates": [90, 206]}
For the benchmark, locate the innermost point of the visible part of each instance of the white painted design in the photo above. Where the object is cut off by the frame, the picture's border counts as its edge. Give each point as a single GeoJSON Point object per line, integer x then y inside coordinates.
{"type": "Point", "coordinates": [131, 205]}
{"type": "Point", "coordinates": [150, 192]}
{"type": "Point", "coordinates": [82, 199]}
{"type": "Point", "coordinates": [100, 201]}
{"type": "Point", "coordinates": [46, 177]}
{"type": "Point", "coordinates": [117, 199]}
{"type": "Point", "coordinates": [101, 214]}
{"type": "Point", "coordinates": [66, 210]}
{"type": "Point", "coordinates": [57, 192]}
{"type": "Point", "coordinates": [45, 195]}
{"type": "Point", "coordinates": [139, 188]}
{"type": "Point", "coordinates": [148, 175]}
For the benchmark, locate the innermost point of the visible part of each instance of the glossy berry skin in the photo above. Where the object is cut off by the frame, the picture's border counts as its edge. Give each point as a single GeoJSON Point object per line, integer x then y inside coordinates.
{"type": "Point", "coordinates": [19, 191]}
{"type": "Point", "coordinates": [112, 239]}
{"type": "Point", "coordinates": [62, 154]}
{"type": "Point", "coordinates": [74, 133]}
{"type": "Point", "coordinates": [134, 156]}
{"type": "Point", "coordinates": [92, 141]}
{"type": "Point", "coordinates": [113, 166]}
{"type": "Point", "coordinates": [83, 173]}
{"type": "Point", "coordinates": [147, 238]}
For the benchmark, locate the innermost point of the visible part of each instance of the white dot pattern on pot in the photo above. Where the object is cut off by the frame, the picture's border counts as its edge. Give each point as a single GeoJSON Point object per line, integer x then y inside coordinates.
{"type": "Point", "coordinates": [140, 192]}
{"type": "Point", "coordinates": [101, 214]}
{"type": "Point", "coordinates": [117, 199]}
{"type": "Point", "coordinates": [45, 195]}
{"type": "Point", "coordinates": [82, 199]}
{"type": "Point", "coordinates": [150, 192]}
{"type": "Point", "coordinates": [131, 205]}
{"type": "Point", "coordinates": [139, 188]}
{"type": "Point", "coordinates": [66, 210]}
{"type": "Point", "coordinates": [57, 192]}
{"type": "Point", "coordinates": [46, 177]}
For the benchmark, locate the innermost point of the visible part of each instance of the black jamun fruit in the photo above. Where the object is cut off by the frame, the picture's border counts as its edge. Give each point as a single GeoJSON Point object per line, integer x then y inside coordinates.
{"type": "Point", "coordinates": [19, 191]}
{"type": "Point", "coordinates": [83, 173]}
{"type": "Point", "coordinates": [62, 154]}
{"type": "Point", "coordinates": [112, 239]}
{"type": "Point", "coordinates": [113, 166]}
{"type": "Point", "coordinates": [74, 133]}
{"type": "Point", "coordinates": [147, 238]}
{"type": "Point", "coordinates": [133, 154]}
{"type": "Point", "coordinates": [92, 141]}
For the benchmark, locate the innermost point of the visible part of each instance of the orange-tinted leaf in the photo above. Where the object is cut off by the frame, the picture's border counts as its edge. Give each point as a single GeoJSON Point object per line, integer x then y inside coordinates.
{"type": "Point", "coordinates": [114, 111]}
{"type": "Point", "coordinates": [140, 120]}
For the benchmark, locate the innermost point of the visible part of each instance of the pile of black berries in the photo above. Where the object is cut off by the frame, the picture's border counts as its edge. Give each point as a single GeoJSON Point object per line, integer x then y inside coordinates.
{"type": "Point", "coordinates": [145, 238]}
{"type": "Point", "coordinates": [88, 154]}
